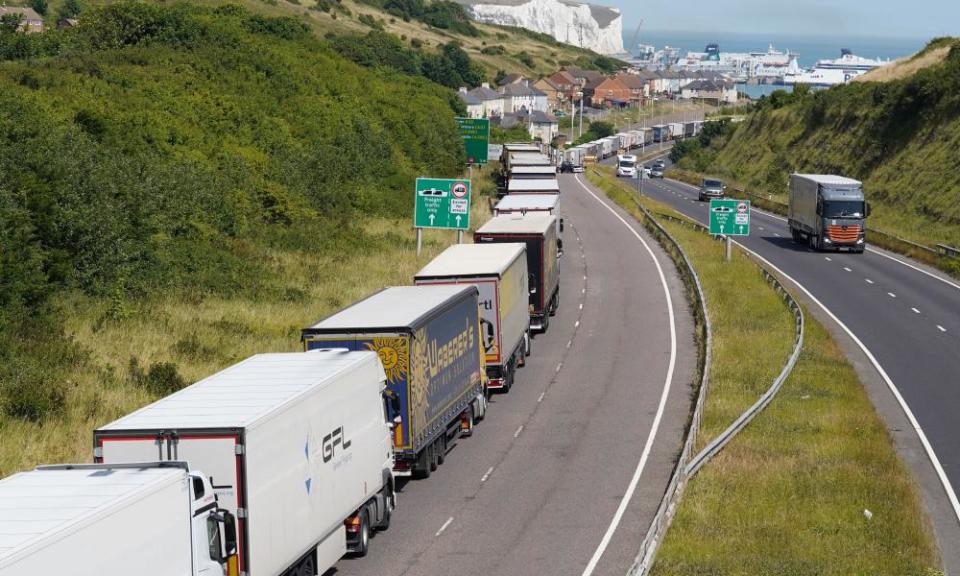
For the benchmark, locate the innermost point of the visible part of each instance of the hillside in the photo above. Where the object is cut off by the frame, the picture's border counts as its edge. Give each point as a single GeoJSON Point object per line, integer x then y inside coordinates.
{"type": "Point", "coordinates": [899, 136]}
{"type": "Point", "coordinates": [183, 186]}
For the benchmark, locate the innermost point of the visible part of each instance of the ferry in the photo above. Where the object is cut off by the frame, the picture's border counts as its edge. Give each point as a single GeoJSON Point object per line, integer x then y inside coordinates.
{"type": "Point", "coordinates": [835, 72]}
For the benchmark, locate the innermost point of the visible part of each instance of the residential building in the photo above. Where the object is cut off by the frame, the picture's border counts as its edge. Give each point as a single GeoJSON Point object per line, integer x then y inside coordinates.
{"type": "Point", "coordinates": [555, 96]}
{"type": "Point", "coordinates": [30, 21]}
{"type": "Point", "coordinates": [540, 125]}
{"type": "Point", "coordinates": [490, 99]}
{"type": "Point", "coordinates": [713, 90]}
{"type": "Point", "coordinates": [610, 93]}
{"type": "Point", "coordinates": [511, 79]}
{"type": "Point", "coordinates": [474, 104]}
{"type": "Point", "coordinates": [637, 85]}
{"type": "Point", "coordinates": [519, 97]}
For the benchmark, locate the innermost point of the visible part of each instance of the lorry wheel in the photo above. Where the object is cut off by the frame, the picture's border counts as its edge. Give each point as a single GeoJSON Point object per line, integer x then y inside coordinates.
{"type": "Point", "coordinates": [527, 343]}
{"type": "Point", "coordinates": [442, 449]}
{"type": "Point", "coordinates": [363, 546]}
{"type": "Point", "coordinates": [434, 457]}
{"type": "Point", "coordinates": [422, 469]}
{"type": "Point", "coordinates": [388, 504]}
{"type": "Point", "coordinates": [307, 568]}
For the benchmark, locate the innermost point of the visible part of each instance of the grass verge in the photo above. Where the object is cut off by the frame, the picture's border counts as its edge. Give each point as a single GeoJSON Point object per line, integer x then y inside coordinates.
{"type": "Point", "coordinates": [788, 494]}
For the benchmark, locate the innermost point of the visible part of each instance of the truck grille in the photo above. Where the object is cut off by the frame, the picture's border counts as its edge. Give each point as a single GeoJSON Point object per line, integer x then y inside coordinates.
{"type": "Point", "coordinates": [843, 233]}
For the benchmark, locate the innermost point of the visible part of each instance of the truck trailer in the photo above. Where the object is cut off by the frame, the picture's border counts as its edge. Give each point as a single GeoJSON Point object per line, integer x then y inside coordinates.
{"type": "Point", "coordinates": [828, 212]}
{"type": "Point", "coordinates": [296, 445]}
{"type": "Point", "coordinates": [529, 186]}
{"type": "Point", "coordinates": [533, 172]}
{"type": "Point", "coordinates": [661, 133]}
{"type": "Point", "coordinates": [539, 233]}
{"type": "Point", "coordinates": [151, 519]}
{"type": "Point", "coordinates": [428, 338]}
{"type": "Point", "coordinates": [499, 271]}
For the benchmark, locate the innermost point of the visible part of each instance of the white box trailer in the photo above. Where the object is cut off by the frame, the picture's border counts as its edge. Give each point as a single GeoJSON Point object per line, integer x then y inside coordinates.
{"type": "Point", "coordinates": [676, 130]}
{"type": "Point", "coordinates": [542, 186]}
{"type": "Point", "coordinates": [151, 519]}
{"type": "Point", "coordinates": [576, 155]}
{"type": "Point", "coordinates": [527, 159]}
{"type": "Point", "coordinates": [533, 172]}
{"type": "Point", "coordinates": [294, 445]}
{"type": "Point", "coordinates": [533, 203]}
{"type": "Point", "coordinates": [610, 145]}
{"type": "Point", "coordinates": [499, 271]}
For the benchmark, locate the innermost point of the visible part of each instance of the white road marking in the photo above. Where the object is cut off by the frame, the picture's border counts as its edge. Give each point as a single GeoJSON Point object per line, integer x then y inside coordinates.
{"type": "Point", "coordinates": [891, 294]}
{"type": "Point", "coordinates": [631, 488]}
{"type": "Point", "coordinates": [581, 306]}
{"type": "Point", "coordinates": [540, 399]}
{"type": "Point", "coordinates": [847, 269]}
{"type": "Point", "coordinates": [559, 366]}
{"type": "Point", "coordinates": [947, 486]}
{"type": "Point", "coordinates": [777, 234]}
{"type": "Point", "coordinates": [941, 328]}
{"type": "Point", "coordinates": [569, 343]}
{"type": "Point", "coordinates": [828, 259]}
{"type": "Point", "coordinates": [444, 527]}
{"type": "Point", "coordinates": [519, 430]}
{"type": "Point", "coordinates": [576, 324]}
{"type": "Point", "coordinates": [915, 311]}
{"type": "Point", "coordinates": [869, 281]}
{"type": "Point", "coordinates": [486, 476]}
{"type": "Point", "coordinates": [761, 228]}
{"type": "Point", "coordinates": [583, 291]}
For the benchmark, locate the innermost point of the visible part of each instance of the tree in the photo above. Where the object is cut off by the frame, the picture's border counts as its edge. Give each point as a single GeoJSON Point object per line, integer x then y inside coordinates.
{"type": "Point", "coordinates": [601, 129]}
{"type": "Point", "coordinates": [40, 6]}
{"type": "Point", "coordinates": [70, 10]}
{"type": "Point", "coordinates": [10, 22]}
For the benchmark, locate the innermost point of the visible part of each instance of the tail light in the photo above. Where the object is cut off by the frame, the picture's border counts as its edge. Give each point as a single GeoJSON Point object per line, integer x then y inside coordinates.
{"type": "Point", "coordinates": [353, 524]}
{"type": "Point", "coordinates": [465, 421]}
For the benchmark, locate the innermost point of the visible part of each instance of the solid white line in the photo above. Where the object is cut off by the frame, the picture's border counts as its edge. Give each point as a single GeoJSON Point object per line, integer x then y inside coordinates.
{"type": "Point", "coordinates": [519, 430]}
{"type": "Point", "coordinates": [947, 487]}
{"type": "Point", "coordinates": [941, 328]}
{"type": "Point", "coordinates": [486, 476]}
{"type": "Point", "coordinates": [891, 294]}
{"type": "Point", "coordinates": [869, 281]}
{"type": "Point", "coordinates": [631, 488]}
{"type": "Point", "coordinates": [915, 311]}
{"type": "Point", "coordinates": [444, 527]}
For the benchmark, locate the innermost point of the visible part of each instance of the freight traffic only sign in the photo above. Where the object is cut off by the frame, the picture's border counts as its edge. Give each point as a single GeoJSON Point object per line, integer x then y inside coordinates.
{"type": "Point", "coordinates": [730, 217]}
{"type": "Point", "coordinates": [476, 138]}
{"type": "Point", "coordinates": [442, 203]}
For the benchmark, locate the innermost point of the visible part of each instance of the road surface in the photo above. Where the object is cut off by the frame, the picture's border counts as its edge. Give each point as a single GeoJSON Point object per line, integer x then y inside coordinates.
{"type": "Point", "coordinates": [906, 316]}
{"type": "Point", "coordinates": [555, 463]}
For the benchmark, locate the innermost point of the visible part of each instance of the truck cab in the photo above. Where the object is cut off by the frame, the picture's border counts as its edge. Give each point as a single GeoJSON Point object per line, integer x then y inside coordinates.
{"type": "Point", "coordinates": [214, 531]}
{"type": "Point", "coordinates": [828, 212]}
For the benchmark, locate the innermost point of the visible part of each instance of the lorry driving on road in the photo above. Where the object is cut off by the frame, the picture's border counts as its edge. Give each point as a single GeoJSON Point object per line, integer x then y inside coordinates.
{"type": "Point", "coordinates": [499, 271]}
{"type": "Point", "coordinates": [828, 212]}
{"type": "Point", "coordinates": [297, 446]}
{"type": "Point", "coordinates": [428, 338]}
{"type": "Point", "coordinates": [626, 166]}
{"type": "Point", "coordinates": [149, 519]}
{"type": "Point", "coordinates": [539, 232]}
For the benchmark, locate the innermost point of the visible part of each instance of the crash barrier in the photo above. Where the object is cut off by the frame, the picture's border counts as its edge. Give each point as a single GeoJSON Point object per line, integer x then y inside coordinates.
{"type": "Point", "coordinates": [688, 464]}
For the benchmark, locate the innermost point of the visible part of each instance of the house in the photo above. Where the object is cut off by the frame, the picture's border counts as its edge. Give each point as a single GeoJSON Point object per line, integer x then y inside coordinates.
{"type": "Point", "coordinates": [474, 104]}
{"type": "Point", "coordinates": [637, 85]}
{"type": "Point", "coordinates": [540, 125]}
{"type": "Point", "coordinates": [511, 79]}
{"type": "Point", "coordinates": [517, 97]}
{"type": "Point", "coordinates": [611, 93]}
{"type": "Point", "coordinates": [30, 21]}
{"type": "Point", "coordinates": [584, 77]}
{"type": "Point", "coordinates": [716, 90]}
{"type": "Point", "coordinates": [491, 100]}
{"type": "Point", "coordinates": [555, 97]}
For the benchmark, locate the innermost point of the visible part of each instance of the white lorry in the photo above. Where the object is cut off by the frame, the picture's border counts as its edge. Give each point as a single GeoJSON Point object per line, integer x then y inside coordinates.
{"type": "Point", "coordinates": [626, 166]}
{"type": "Point", "coordinates": [530, 186]}
{"type": "Point", "coordinates": [499, 271]}
{"type": "Point", "coordinates": [151, 519]}
{"type": "Point", "coordinates": [295, 445]}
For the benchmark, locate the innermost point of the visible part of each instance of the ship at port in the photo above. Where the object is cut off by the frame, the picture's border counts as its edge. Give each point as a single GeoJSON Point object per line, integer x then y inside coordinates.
{"type": "Point", "coordinates": [835, 72]}
{"type": "Point", "coordinates": [768, 67]}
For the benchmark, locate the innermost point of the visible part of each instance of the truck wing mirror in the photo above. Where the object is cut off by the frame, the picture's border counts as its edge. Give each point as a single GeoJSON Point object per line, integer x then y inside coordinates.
{"type": "Point", "coordinates": [392, 400]}
{"type": "Point", "coordinates": [229, 533]}
{"type": "Point", "coordinates": [867, 210]}
{"type": "Point", "coordinates": [561, 220]}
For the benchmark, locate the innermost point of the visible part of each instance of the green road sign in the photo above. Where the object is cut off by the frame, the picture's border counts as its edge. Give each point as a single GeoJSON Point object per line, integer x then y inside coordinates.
{"type": "Point", "coordinates": [442, 204]}
{"type": "Point", "coordinates": [476, 137]}
{"type": "Point", "coordinates": [730, 217]}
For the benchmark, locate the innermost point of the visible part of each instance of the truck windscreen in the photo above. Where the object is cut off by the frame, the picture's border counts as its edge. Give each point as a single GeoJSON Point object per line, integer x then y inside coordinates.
{"type": "Point", "coordinates": [627, 164]}
{"type": "Point", "coordinates": [843, 209]}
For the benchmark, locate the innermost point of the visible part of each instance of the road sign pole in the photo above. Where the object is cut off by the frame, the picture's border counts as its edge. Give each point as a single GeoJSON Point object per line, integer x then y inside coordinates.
{"type": "Point", "coordinates": [729, 247]}
{"type": "Point", "coordinates": [419, 240]}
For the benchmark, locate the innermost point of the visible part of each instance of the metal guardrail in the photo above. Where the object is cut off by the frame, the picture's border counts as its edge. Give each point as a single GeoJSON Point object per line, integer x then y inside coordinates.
{"type": "Point", "coordinates": [688, 465]}
{"type": "Point", "coordinates": [949, 251]}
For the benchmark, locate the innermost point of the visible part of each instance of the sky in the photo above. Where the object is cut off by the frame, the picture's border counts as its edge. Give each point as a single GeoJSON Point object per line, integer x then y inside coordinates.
{"type": "Point", "coordinates": [884, 18]}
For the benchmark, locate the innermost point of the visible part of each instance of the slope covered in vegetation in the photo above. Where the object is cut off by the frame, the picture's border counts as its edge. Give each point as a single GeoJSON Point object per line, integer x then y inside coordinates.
{"type": "Point", "coordinates": [160, 157]}
{"type": "Point", "coordinates": [899, 136]}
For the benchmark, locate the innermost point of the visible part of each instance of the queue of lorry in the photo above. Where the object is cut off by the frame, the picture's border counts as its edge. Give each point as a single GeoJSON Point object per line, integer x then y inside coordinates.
{"type": "Point", "coordinates": [283, 463]}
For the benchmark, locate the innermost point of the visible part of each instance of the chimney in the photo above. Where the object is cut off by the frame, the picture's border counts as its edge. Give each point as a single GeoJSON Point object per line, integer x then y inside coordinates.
{"type": "Point", "coordinates": [486, 85]}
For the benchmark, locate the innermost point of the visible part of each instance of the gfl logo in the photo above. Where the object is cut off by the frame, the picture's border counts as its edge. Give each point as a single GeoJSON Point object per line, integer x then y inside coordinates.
{"type": "Point", "coordinates": [331, 441]}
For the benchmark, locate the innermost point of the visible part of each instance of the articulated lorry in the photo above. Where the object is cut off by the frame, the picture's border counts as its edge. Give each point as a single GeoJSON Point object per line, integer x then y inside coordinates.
{"type": "Point", "coordinates": [499, 271]}
{"type": "Point", "coordinates": [297, 446]}
{"type": "Point", "coordinates": [828, 212]}
{"type": "Point", "coordinates": [528, 186]}
{"type": "Point", "coordinates": [150, 519]}
{"type": "Point", "coordinates": [533, 172]}
{"type": "Point", "coordinates": [539, 232]}
{"type": "Point", "coordinates": [428, 338]}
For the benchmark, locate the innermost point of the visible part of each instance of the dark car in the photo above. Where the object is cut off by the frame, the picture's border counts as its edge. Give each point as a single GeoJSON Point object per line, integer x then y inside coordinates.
{"type": "Point", "coordinates": [566, 167]}
{"type": "Point", "coordinates": [711, 188]}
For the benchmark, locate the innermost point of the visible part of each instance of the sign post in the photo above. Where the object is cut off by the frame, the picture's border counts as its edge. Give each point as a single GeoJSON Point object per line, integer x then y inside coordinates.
{"type": "Point", "coordinates": [476, 139]}
{"type": "Point", "coordinates": [442, 204]}
{"type": "Point", "coordinates": [729, 218]}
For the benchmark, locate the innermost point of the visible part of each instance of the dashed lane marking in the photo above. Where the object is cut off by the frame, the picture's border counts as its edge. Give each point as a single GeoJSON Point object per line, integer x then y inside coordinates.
{"type": "Point", "coordinates": [444, 527]}
{"type": "Point", "coordinates": [519, 430]}
{"type": "Point", "coordinates": [486, 475]}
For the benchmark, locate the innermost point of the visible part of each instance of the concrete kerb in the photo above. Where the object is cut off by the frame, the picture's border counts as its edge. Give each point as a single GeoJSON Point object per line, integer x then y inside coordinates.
{"type": "Point", "coordinates": [688, 466]}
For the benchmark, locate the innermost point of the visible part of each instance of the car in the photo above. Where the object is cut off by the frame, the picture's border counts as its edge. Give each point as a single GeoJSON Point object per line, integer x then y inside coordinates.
{"type": "Point", "coordinates": [578, 168]}
{"type": "Point", "coordinates": [711, 188]}
{"type": "Point", "coordinates": [661, 164]}
{"type": "Point", "coordinates": [566, 167]}
{"type": "Point", "coordinates": [656, 172]}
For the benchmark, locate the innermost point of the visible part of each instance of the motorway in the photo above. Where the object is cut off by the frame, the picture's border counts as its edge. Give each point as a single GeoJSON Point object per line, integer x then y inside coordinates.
{"type": "Point", "coordinates": [906, 316]}
{"type": "Point", "coordinates": [567, 470]}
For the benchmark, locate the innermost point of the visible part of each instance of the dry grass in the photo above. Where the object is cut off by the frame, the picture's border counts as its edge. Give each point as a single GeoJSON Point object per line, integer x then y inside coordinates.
{"type": "Point", "coordinates": [905, 67]}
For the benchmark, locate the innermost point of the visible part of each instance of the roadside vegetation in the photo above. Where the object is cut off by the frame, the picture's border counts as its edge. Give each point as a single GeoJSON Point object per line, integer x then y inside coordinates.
{"type": "Point", "coordinates": [788, 495]}
{"type": "Point", "coordinates": [181, 186]}
{"type": "Point", "coordinates": [899, 136]}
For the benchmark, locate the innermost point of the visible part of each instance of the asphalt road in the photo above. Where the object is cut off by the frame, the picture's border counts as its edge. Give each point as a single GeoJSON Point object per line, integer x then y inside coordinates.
{"type": "Point", "coordinates": [597, 410]}
{"type": "Point", "coordinates": [905, 315]}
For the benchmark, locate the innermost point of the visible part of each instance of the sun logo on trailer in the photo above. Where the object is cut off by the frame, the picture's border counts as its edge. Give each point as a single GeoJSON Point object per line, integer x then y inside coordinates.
{"type": "Point", "coordinates": [393, 355]}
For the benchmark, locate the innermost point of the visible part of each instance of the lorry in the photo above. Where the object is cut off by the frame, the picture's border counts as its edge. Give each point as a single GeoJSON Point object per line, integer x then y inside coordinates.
{"type": "Point", "coordinates": [152, 519]}
{"type": "Point", "coordinates": [539, 232]}
{"type": "Point", "coordinates": [526, 203]}
{"type": "Point", "coordinates": [533, 172]}
{"type": "Point", "coordinates": [526, 186]}
{"type": "Point", "coordinates": [499, 271]}
{"type": "Point", "coordinates": [296, 445]}
{"type": "Point", "coordinates": [428, 338]}
{"type": "Point", "coordinates": [661, 133]}
{"type": "Point", "coordinates": [512, 147]}
{"type": "Point", "coordinates": [676, 130]}
{"type": "Point", "coordinates": [828, 212]}
{"type": "Point", "coordinates": [626, 166]}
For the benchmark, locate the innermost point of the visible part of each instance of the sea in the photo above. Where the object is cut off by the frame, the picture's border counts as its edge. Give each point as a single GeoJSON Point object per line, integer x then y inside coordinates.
{"type": "Point", "coordinates": [809, 49]}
